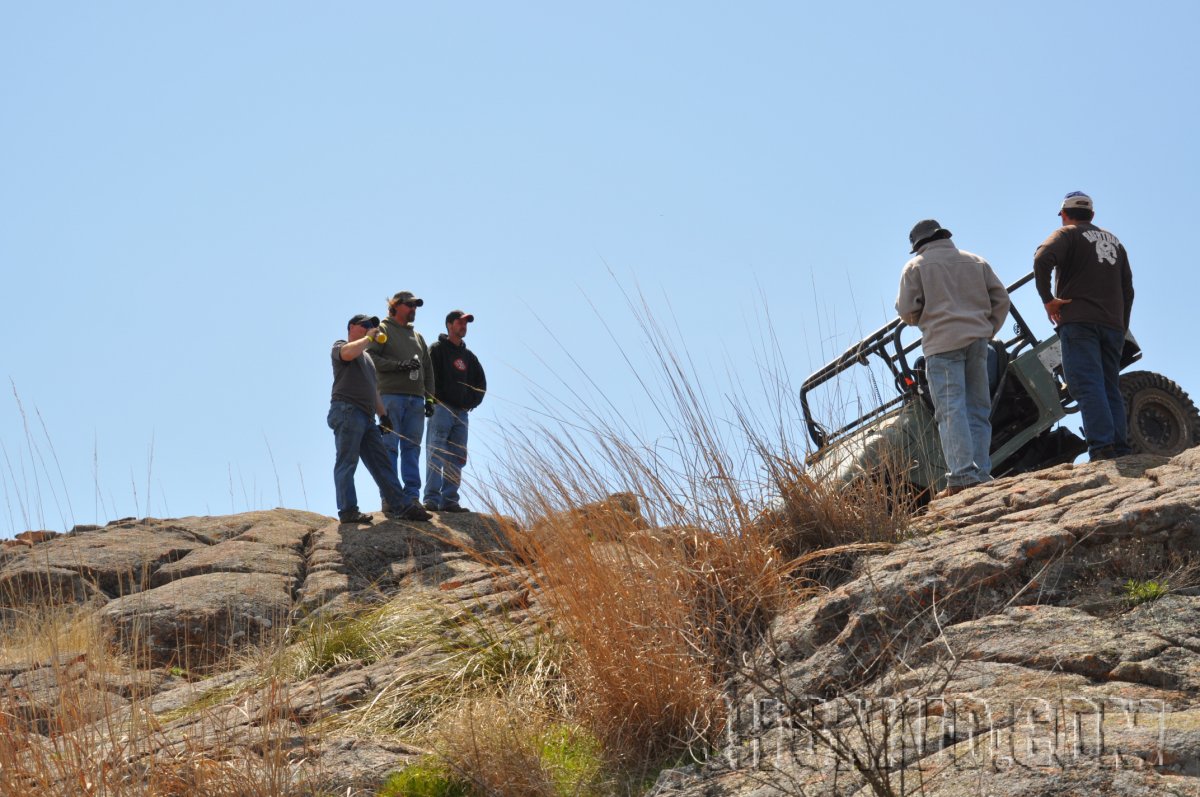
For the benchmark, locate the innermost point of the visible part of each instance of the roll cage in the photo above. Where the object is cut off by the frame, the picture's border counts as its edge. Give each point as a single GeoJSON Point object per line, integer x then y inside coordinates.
{"type": "Point", "coordinates": [886, 345]}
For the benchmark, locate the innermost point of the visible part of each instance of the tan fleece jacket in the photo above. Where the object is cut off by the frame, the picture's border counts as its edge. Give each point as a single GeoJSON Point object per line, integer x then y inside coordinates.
{"type": "Point", "coordinates": [953, 296]}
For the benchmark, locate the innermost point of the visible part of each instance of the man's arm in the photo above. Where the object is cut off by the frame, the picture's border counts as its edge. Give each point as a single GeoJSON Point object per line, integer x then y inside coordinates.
{"type": "Point", "coordinates": [1049, 256]}
{"type": "Point", "coordinates": [1126, 285]}
{"type": "Point", "coordinates": [998, 297]}
{"type": "Point", "coordinates": [910, 302]}
{"type": "Point", "coordinates": [475, 380]}
{"type": "Point", "coordinates": [353, 350]}
{"type": "Point", "coordinates": [427, 364]}
{"type": "Point", "coordinates": [382, 361]}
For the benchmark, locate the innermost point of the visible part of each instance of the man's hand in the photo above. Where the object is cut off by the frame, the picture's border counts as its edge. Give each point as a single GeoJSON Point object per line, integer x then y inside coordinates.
{"type": "Point", "coordinates": [385, 424]}
{"type": "Point", "coordinates": [1054, 310]}
{"type": "Point", "coordinates": [428, 408]}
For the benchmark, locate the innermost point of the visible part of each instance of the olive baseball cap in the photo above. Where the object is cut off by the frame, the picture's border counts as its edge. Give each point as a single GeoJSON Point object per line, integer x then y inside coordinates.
{"type": "Point", "coordinates": [405, 297]}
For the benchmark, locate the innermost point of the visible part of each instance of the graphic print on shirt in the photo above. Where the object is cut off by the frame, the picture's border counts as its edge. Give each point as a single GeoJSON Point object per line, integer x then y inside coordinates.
{"type": "Point", "coordinates": [1106, 245]}
{"type": "Point", "coordinates": [460, 364]}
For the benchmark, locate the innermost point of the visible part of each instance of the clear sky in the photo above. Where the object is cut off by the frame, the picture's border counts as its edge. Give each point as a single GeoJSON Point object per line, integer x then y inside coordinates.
{"type": "Point", "coordinates": [196, 197]}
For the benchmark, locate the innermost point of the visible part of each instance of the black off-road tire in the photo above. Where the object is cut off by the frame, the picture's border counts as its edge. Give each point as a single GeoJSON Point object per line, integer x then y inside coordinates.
{"type": "Point", "coordinates": [1163, 419]}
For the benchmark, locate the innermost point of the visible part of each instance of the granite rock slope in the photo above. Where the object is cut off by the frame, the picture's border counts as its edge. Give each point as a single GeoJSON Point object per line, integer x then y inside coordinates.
{"type": "Point", "coordinates": [999, 651]}
{"type": "Point", "coordinates": [1040, 635]}
{"type": "Point", "coordinates": [187, 598]}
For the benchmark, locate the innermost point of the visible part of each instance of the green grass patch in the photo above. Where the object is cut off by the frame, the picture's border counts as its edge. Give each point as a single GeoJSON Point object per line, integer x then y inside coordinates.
{"type": "Point", "coordinates": [1139, 592]}
{"type": "Point", "coordinates": [573, 758]}
{"type": "Point", "coordinates": [424, 779]}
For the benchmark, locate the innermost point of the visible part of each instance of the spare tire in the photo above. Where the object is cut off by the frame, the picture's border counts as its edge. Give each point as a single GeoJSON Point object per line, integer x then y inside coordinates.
{"type": "Point", "coordinates": [1162, 418]}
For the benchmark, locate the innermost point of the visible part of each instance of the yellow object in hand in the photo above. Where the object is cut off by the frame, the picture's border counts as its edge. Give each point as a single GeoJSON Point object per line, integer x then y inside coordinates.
{"type": "Point", "coordinates": [381, 337]}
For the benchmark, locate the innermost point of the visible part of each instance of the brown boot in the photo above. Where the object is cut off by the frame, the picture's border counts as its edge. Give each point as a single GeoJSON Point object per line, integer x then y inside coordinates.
{"type": "Point", "coordinates": [955, 489]}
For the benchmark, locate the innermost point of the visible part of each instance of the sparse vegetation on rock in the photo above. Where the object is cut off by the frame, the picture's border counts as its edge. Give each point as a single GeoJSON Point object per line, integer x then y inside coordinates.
{"type": "Point", "coordinates": [637, 644]}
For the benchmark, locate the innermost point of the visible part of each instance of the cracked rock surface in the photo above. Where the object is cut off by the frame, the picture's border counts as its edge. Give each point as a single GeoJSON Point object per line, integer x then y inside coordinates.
{"type": "Point", "coordinates": [184, 597]}
{"type": "Point", "coordinates": [998, 652]}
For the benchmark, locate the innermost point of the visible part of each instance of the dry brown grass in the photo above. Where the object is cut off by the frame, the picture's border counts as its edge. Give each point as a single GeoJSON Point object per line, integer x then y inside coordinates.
{"type": "Point", "coordinates": [658, 564]}
{"type": "Point", "coordinates": [85, 744]}
{"type": "Point", "coordinates": [822, 527]}
{"type": "Point", "coordinates": [661, 561]}
{"type": "Point", "coordinates": [75, 719]}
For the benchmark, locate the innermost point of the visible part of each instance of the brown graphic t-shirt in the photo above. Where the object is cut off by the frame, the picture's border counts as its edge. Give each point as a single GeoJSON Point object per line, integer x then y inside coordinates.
{"type": "Point", "coordinates": [1091, 269]}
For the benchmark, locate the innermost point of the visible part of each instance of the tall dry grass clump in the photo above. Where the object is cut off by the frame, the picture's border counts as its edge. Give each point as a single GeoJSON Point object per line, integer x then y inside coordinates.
{"type": "Point", "coordinates": [661, 562]}
{"type": "Point", "coordinates": [822, 526]}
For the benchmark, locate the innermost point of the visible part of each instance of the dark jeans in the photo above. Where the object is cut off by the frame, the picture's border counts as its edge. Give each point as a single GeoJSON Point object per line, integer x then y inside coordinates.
{"type": "Point", "coordinates": [1091, 358]}
{"type": "Point", "coordinates": [407, 414]}
{"type": "Point", "coordinates": [356, 437]}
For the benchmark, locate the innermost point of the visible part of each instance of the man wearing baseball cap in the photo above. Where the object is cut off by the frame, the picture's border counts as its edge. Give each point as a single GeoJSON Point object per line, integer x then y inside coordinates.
{"type": "Point", "coordinates": [406, 388]}
{"type": "Point", "coordinates": [461, 384]}
{"type": "Point", "coordinates": [352, 409]}
{"type": "Point", "coordinates": [1090, 305]}
{"type": "Point", "coordinates": [959, 304]}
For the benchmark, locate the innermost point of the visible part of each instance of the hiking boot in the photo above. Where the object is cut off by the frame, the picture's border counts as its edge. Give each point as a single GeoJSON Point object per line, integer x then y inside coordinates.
{"type": "Point", "coordinates": [414, 512]}
{"type": "Point", "coordinates": [432, 507]}
{"type": "Point", "coordinates": [955, 489]}
{"type": "Point", "coordinates": [1103, 452]}
{"type": "Point", "coordinates": [355, 517]}
{"type": "Point", "coordinates": [455, 508]}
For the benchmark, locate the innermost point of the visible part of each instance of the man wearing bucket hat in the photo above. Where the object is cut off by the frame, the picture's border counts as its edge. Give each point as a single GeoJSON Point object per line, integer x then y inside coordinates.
{"type": "Point", "coordinates": [352, 409]}
{"type": "Point", "coordinates": [461, 384]}
{"type": "Point", "coordinates": [1090, 305]}
{"type": "Point", "coordinates": [406, 388]}
{"type": "Point", "coordinates": [958, 303]}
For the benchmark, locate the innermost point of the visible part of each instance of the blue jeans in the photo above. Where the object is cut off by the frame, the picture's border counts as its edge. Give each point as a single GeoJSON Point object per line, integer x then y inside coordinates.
{"type": "Point", "coordinates": [958, 383]}
{"type": "Point", "coordinates": [1091, 359]}
{"type": "Point", "coordinates": [445, 455]}
{"type": "Point", "coordinates": [355, 437]}
{"type": "Point", "coordinates": [407, 414]}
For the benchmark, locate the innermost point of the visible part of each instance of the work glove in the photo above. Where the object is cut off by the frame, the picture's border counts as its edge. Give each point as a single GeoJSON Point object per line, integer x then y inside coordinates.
{"type": "Point", "coordinates": [428, 408]}
{"type": "Point", "coordinates": [411, 365]}
{"type": "Point", "coordinates": [385, 424]}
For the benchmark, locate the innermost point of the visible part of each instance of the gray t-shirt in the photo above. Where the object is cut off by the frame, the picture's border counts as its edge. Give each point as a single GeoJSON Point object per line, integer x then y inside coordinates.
{"type": "Point", "coordinates": [354, 381]}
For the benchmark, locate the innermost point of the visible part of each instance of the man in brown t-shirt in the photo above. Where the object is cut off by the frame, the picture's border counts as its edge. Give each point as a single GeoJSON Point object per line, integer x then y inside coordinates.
{"type": "Point", "coordinates": [1090, 305]}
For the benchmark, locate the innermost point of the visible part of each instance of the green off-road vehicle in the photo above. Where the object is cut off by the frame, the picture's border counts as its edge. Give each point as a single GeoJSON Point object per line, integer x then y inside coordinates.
{"type": "Point", "coordinates": [895, 437]}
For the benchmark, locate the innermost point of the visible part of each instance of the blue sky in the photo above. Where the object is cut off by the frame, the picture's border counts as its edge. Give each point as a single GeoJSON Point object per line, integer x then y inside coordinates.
{"type": "Point", "coordinates": [197, 196]}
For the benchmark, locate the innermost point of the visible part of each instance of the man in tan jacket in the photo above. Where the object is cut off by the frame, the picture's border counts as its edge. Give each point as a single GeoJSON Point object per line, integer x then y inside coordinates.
{"type": "Point", "coordinates": [958, 303]}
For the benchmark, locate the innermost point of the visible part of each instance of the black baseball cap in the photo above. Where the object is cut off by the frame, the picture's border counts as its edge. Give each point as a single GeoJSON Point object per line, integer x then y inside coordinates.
{"type": "Point", "coordinates": [925, 231]}
{"type": "Point", "coordinates": [363, 320]}
{"type": "Point", "coordinates": [454, 315]}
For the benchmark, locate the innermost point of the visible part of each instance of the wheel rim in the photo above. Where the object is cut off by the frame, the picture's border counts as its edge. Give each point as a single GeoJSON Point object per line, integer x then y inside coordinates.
{"type": "Point", "coordinates": [1158, 424]}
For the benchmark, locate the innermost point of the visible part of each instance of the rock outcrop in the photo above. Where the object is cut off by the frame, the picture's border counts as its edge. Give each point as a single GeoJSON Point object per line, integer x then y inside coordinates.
{"type": "Point", "coordinates": [183, 597]}
{"type": "Point", "coordinates": [1038, 635]}
{"type": "Point", "coordinates": [994, 653]}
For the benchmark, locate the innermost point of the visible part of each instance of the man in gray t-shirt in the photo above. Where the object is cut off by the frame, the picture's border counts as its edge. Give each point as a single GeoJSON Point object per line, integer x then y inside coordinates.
{"type": "Point", "coordinates": [352, 408]}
